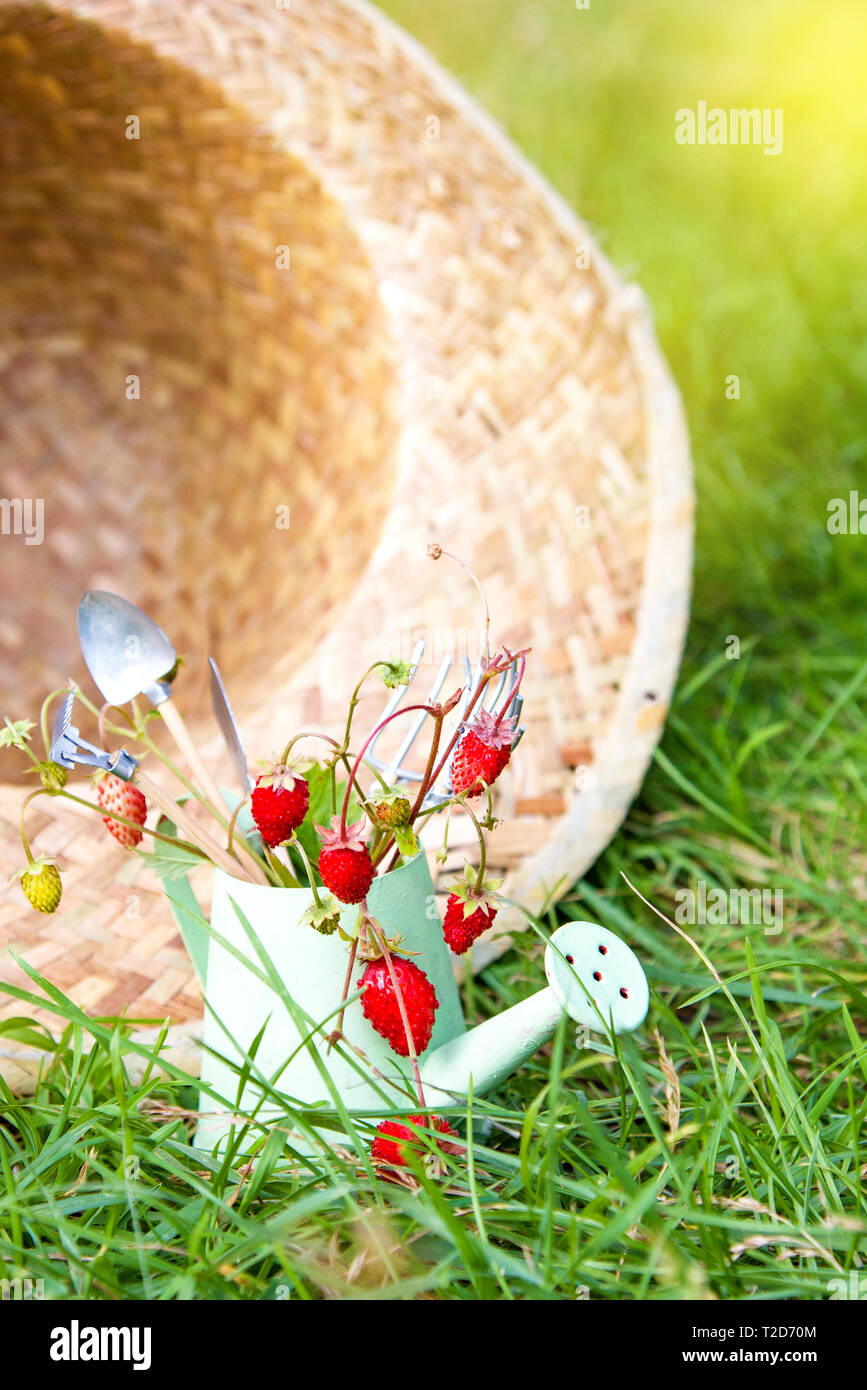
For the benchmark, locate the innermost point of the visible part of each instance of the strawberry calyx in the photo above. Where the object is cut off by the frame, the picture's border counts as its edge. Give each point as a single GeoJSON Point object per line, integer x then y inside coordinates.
{"type": "Point", "coordinates": [34, 868]}
{"type": "Point", "coordinates": [396, 672]}
{"type": "Point", "coordinates": [323, 916]}
{"type": "Point", "coordinates": [333, 837]}
{"type": "Point", "coordinates": [372, 940]}
{"type": "Point", "coordinates": [279, 775]}
{"type": "Point", "coordinates": [475, 891]}
{"type": "Point", "coordinates": [492, 732]}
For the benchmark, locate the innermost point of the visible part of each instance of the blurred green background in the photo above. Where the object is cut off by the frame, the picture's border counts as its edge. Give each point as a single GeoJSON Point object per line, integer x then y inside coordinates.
{"type": "Point", "coordinates": [754, 265]}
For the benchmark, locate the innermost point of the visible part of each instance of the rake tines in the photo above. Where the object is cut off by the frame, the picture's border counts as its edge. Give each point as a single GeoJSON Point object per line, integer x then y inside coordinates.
{"type": "Point", "coordinates": [495, 693]}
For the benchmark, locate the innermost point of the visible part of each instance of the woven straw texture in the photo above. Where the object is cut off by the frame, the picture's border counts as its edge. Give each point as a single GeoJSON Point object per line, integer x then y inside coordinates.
{"type": "Point", "coordinates": [316, 285]}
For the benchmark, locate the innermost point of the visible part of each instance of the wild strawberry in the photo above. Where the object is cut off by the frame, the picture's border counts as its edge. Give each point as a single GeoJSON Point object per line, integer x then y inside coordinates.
{"type": "Point", "coordinates": [394, 1139]}
{"type": "Point", "coordinates": [52, 775]}
{"type": "Point", "coordinates": [345, 866]}
{"type": "Point", "coordinates": [470, 910]}
{"type": "Point", "coordinates": [482, 753]}
{"type": "Point", "coordinates": [113, 794]}
{"type": "Point", "coordinates": [41, 885]}
{"type": "Point", "coordinates": [279, 804]}
{"type": "Point", "coordinates": [392, 808]}
{"type": "Point", "coordinates": [382, 1010]}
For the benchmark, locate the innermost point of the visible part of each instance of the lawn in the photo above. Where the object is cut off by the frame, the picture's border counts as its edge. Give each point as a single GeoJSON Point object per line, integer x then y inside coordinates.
{"type": "Point", "coordinates": [718, 1153]}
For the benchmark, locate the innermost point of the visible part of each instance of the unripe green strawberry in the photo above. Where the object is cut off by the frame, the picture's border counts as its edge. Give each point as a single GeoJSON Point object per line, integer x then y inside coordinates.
{"type": "Point", "coordinates": [393, 811]}
{"type": "Point", "coordinates": [52, 776]}
{"type": "Point", "coordinates": [40, 883]}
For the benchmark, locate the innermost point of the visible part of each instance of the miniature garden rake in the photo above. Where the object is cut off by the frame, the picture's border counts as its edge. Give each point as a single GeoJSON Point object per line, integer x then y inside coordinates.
{"type": "Point", "coordinates": [496, 698]}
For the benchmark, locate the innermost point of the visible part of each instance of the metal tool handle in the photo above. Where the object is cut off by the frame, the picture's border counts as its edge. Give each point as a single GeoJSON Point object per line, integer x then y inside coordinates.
{"type": "Point", "coordinates": [179, 732]}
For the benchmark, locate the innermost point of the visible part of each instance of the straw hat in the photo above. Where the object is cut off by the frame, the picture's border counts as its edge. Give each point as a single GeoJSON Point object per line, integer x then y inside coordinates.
{"type": "Point", "coordinates": [281, 306]}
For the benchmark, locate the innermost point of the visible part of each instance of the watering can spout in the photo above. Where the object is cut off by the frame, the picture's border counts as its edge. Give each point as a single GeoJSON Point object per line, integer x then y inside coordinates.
{"type": "Point", "coordinates": [593, 976]}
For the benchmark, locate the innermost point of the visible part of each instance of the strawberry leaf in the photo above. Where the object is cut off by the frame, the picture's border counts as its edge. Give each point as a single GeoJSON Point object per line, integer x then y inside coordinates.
{"type": "Point", "coordinates": [406, 841]}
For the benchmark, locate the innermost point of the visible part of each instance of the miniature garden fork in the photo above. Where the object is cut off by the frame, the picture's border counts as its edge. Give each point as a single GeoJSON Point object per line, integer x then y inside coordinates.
{"type": "Point", "coordinates": [69, 748]}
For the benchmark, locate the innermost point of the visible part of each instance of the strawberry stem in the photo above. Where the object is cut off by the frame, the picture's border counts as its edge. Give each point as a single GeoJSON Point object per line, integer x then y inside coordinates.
{"type": "Point", "coordinates": [398, 992]}
{"type": "Point", "coordinates": [101, 719]}
{"type": "Point", "coordinates": [24, 840]}
{"type": "Point", "coordinates": [405, 709]}
{"type": "Point", "coordinates": [300, 850]}
{"type": "Point", "coordinates": [338, 1029]}
{"type": "Point", "coordinates": [435, 551]}
{"type": "Point", "coordinates": [522, 666]}
{"type": "Point", "coordinates": [428, 772]}
{"type": "Point", "coordinates": [355, 699]}
{"type": "Point", "coordinates": [306, 733]}
{"type": "Point", "coordinates": [172, 840]}
{"type": "Point", "coordinates": [426, 782]}
{"type": "Point", "coordinates": [480, 879]}
{"type": "Point", "coordinates": [233, 820]}
{"type": "Point", "coordinates": [341, 755]}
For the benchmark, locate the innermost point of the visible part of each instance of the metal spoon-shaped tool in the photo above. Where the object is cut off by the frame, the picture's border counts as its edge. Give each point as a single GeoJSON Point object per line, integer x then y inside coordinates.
{"type": "Point", "coordinates": [127, 655]}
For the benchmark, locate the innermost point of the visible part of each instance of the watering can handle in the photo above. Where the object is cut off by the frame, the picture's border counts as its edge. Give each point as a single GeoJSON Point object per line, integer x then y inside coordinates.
{"type": "Point", "coordinates": [192, 923]}
{"type": "Point", "coordinates": [188, 916]}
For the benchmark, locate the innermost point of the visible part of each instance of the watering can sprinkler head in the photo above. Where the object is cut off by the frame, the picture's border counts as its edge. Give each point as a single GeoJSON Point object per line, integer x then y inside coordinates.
{"type": "Point", "coordinates": [593, 976]}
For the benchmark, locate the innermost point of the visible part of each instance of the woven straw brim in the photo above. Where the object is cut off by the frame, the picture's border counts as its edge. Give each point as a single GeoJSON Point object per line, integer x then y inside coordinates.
{"type": "Point", "coordinates": [342, 293]}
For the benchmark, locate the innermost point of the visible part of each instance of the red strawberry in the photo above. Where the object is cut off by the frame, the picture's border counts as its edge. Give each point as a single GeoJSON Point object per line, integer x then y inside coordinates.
{"type": "Point", "coordinates": [393, 1139]}
{"type": "Point", "coordinates": [470, 910]}
{"type": "Point", "coordinates": [381, 1009]}
{"type": "Point", "coordinates": [482, 753]}
{"type": "Point", "coordinates": [461, 931]}
{"type": "Point", "coordinates": [345, 866]}
{"type": "Point", "coordinates": [279, 804]}
{"type": "Point", "coordinates": [113, 794]}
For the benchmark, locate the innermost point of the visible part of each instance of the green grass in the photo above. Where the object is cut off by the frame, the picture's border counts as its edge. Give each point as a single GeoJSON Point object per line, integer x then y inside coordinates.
{"type": "Point", "coordinates": [720, 1152]}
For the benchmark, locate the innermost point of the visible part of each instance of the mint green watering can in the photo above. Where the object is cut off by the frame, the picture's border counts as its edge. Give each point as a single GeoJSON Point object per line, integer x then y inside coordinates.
{"type": "Point", "coordinates": [263, 968]}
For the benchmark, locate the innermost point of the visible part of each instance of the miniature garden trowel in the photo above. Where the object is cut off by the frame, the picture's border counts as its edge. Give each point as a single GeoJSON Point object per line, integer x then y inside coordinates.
{"type": "Point", "coordinates": [69, 748]}
{"type": "Point", "coordinates": [128, 655]}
